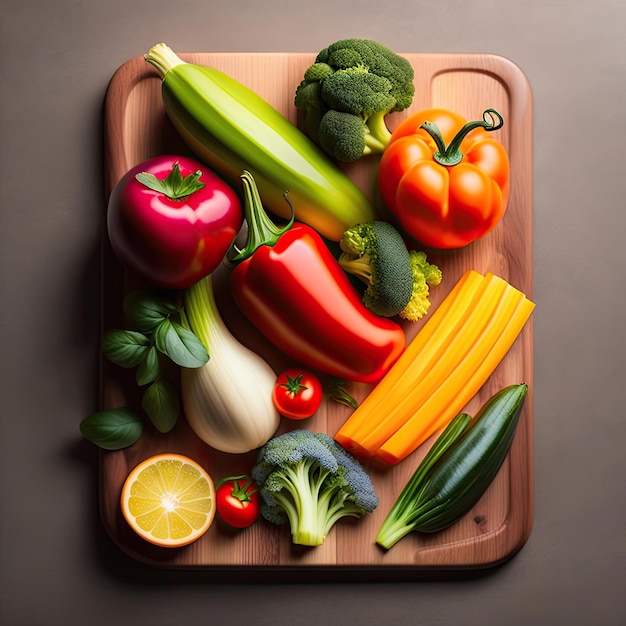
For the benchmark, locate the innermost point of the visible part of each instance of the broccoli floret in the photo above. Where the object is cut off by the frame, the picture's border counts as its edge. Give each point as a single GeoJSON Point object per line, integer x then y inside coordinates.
{"type": "Point", "coordinates": [397, 279]}
{"type": "Point", "coordinates": [362, 80]}
{"type": "Point", "coordinates": [342, 135]}
{"type": "Point", "coordinates": [308, 480]}
{"type": "Point", "coordinates": [425, 275]}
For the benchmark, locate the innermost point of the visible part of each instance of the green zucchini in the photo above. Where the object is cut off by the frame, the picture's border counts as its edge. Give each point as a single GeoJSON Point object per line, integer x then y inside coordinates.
{"type": "Point", "coordinates": [457, 470]}
{"type": "Point", "coordinates": [233, 129]}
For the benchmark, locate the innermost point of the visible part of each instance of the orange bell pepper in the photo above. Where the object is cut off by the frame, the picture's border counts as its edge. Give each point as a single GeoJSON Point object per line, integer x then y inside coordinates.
{"type": "Point", "coordinates": [445, 180]}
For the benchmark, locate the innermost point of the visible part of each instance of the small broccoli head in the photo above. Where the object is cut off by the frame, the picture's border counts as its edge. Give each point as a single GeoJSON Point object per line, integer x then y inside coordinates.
{"type": "Point", "coordinates": [309, 92]}
{"type": "Point", "coordinates": [359, 77]}
{"type": "Point", "coordinates": [397, 279]}
{"type": "Point", "coordinates": [288, 450]}
{"type": "Point", "coordinates": [376, 253]}
{"type": "Point", "coordinates": [317, 72]}
{"type": "Point", "coordinates": [308, 480]}
{"type": "Point", "coordinates": [340, 134]}
{"type": "Point", "coordinates": [357, 91]}
{"type": "Point", "coordinates": [425, 275]}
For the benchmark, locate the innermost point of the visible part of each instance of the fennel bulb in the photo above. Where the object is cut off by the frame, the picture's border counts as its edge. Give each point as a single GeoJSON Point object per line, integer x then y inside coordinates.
{"type": "Point", "coordinates": [228, 401]}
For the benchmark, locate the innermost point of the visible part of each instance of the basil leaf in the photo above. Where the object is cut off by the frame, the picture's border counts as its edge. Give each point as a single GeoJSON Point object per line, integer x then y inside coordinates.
{"type": "Point", "coordinates": [180, 345]}
{"type": "Point", "coordinates": [147, 311]}
{"type": "Point", "coordinates": [193, 345]}
{"type": "Point", "coordinates": [126, 348]}
{"type": "Point", "coordinates": [113, 429]}
{"type": "Point", "coordinates": [162, 405]}
{"type": "Point", "coordinates": [149, 368]}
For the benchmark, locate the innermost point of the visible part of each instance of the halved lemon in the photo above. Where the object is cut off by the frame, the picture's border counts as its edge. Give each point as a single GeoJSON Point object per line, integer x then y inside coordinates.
{"type": "Point", "coordinates": [169, 500]}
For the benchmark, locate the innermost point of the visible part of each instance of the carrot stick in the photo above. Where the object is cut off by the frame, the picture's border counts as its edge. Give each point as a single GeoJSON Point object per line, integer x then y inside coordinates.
{"type": "Point", "coordinates": [459, 388]}
{"type": "Point", "coordinates": [479, 323]}
{"type": "Point", "coordinates": [425, 346]}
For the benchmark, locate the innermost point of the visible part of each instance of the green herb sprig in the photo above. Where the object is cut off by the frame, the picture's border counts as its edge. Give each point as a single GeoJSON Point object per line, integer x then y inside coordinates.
{"type": "Point", "coordinates": [158, 332]}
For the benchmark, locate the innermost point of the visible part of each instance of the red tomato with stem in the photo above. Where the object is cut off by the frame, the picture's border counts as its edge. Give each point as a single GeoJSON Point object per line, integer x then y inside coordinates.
{"type": "Point", "coordinates": [171, 220]}
{"type": "Point", "coordinates": [238, 502]}
{"type": "Point", "coordinates": [297, 394]}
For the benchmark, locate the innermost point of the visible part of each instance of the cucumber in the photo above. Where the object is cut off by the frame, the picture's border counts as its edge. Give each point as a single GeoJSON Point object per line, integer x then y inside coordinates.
{"type": "Point", "coordinates": [233, 129]}
{"type": "Point", "coordinates": [444, 489]}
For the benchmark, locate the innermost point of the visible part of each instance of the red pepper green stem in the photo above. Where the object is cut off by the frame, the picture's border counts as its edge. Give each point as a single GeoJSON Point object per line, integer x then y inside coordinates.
{"type": "Point", "coordinates": [451, 155]}
{"type": "Point", "coordinates": [261, 230]}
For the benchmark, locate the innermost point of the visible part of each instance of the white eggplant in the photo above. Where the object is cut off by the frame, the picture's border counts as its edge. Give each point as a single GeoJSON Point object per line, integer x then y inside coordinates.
{"type": "Point", "coordinates": [228, 401]}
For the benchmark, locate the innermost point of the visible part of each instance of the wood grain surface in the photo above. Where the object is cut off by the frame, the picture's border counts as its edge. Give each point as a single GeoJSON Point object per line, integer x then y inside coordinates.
{"type": "Point", "coordinates": [137, 128]}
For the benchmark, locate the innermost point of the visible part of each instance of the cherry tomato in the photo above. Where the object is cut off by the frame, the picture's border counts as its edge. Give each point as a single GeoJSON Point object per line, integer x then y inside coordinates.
{"type": "Point", "coordinates": [297, 394]}
{"type": "Point", "coordinates": [238, 501]}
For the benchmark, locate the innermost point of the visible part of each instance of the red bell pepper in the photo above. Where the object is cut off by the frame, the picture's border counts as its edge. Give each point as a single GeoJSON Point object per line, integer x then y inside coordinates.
{"type": "Point", "coordinates": [292, 289]}
{"type": "Point", "coordinates": [446, 180]}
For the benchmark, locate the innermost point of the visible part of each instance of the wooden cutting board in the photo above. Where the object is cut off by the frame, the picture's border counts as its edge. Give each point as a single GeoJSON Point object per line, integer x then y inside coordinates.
{"type": "Point", "coordinates": [136, 128]}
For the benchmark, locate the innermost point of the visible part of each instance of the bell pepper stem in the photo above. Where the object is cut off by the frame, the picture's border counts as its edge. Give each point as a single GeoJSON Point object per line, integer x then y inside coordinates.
{"type": "Point", "coordinates": [261, 230]}
{"type": "Point", "coordinates": [451, 154]}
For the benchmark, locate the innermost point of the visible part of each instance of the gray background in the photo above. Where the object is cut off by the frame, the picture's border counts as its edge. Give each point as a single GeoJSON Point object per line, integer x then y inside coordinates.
{"type": "Point", "coordinates": [57, 566]}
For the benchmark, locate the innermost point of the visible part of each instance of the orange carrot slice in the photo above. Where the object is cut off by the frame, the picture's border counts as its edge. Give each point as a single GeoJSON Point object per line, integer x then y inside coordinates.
{"type": "Point", "coordinates": [427, 345]}
{"type": "Point", "coordinates": [458, 389]}
{"type": "Point", "coordinates": [454, 352]}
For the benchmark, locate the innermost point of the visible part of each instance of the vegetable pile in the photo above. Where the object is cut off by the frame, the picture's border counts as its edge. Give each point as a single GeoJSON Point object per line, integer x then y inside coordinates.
{"type": "Point", "coordinates": [457, 470]}
{"type": "Point", "coordinates": [289, 285]}
{"type": "Point", "coordinates": [331, 282]}
{"type": "Point", "coordinates": [232, 129]}
{"type": "Point", "coordinates": [440, 371]}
